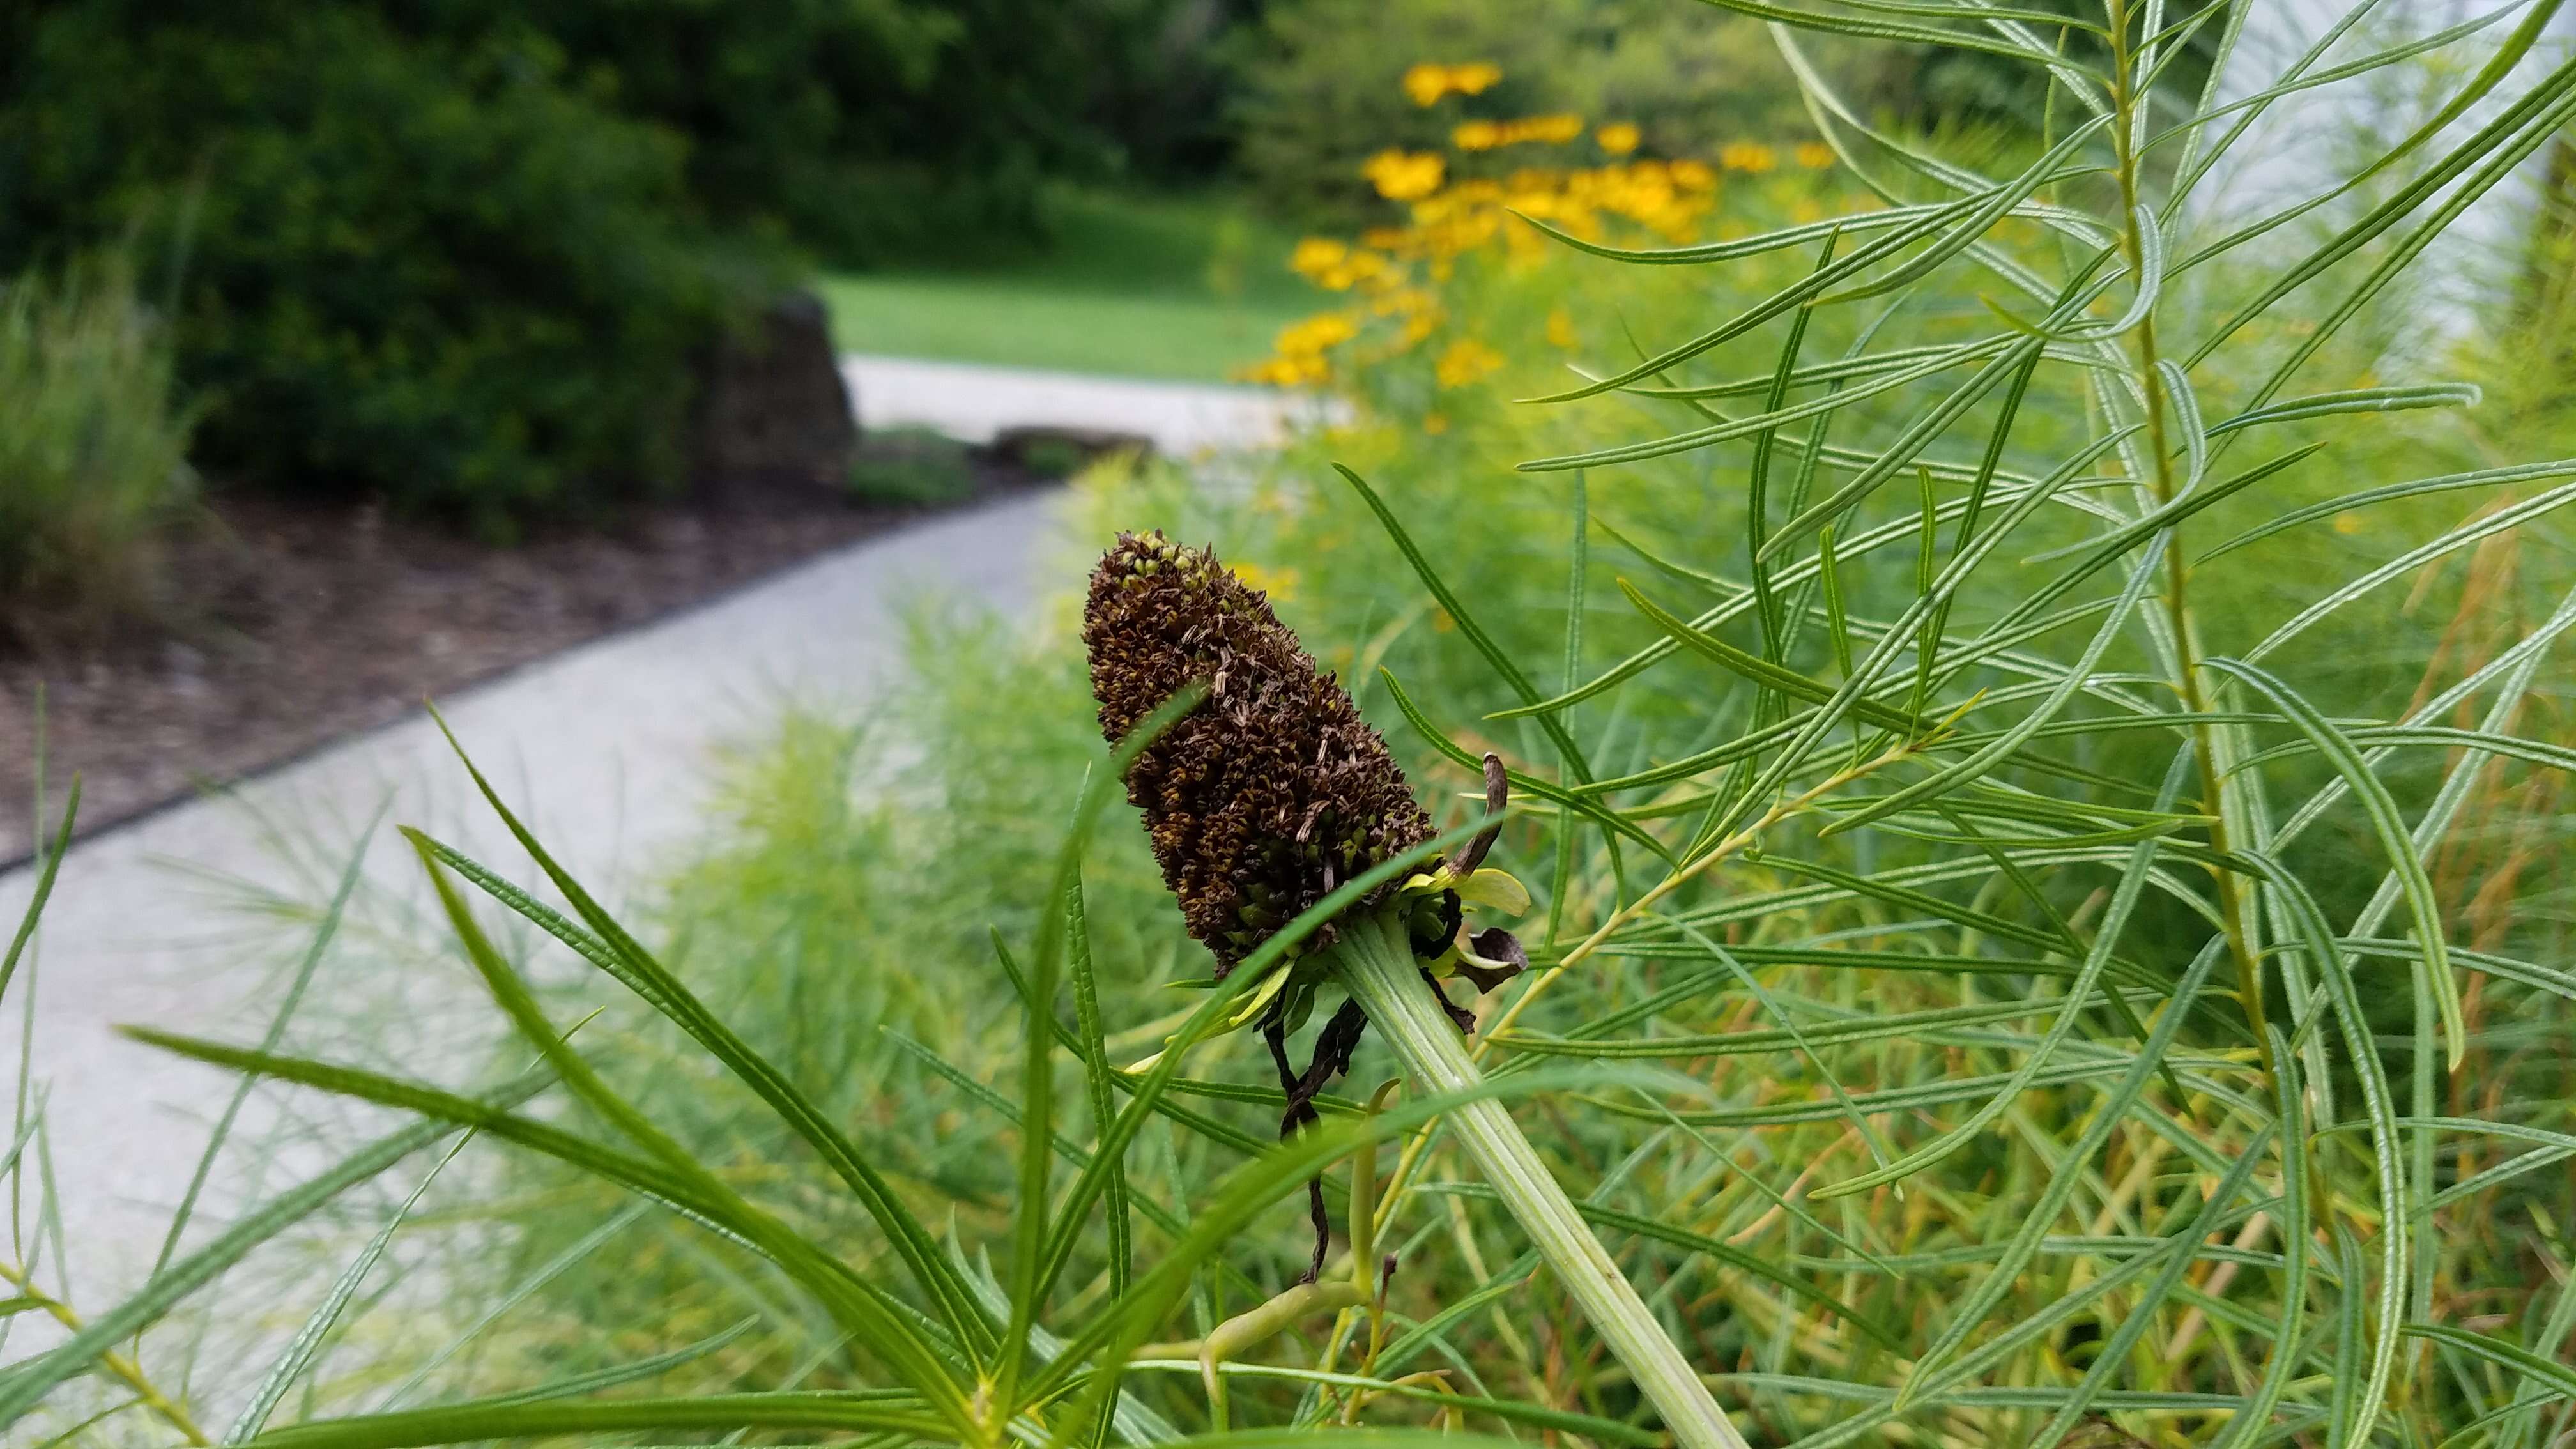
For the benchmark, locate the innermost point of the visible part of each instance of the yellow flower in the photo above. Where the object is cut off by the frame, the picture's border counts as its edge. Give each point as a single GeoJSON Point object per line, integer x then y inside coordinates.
{"type": "Point", "coordinates": [1464, 361]}
{"type": "Point", "coordinates": [1435, 424]}
{"type": "Point", "coordinates": [1486, 135]}
{"type": "Point", "coordinates": [1316, 333]}
{"type": "Point", "coordinates": [1747, 156]}
{"type": "Point", "coordinates": [1815, 155]}
{"type": "Point", "coordinates": [1618, 138]}
{"type": "Point", "coordinates": [1426, 83]}
{"type": "Point", "coordinates": [1560, 328]}
{"type": "Point", "coordinates": [1693, 175]}
{"type": "Point", "coordinates": [1404, 175]}
{"type": "Point", "coordinates": [1317, 254]}
{"type": "Point", "coordinates": [1279, 583]}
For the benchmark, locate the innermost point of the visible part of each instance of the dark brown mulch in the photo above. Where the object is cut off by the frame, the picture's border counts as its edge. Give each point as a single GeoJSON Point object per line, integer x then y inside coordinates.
{"type": "Point", "coordinates": [287, 624]}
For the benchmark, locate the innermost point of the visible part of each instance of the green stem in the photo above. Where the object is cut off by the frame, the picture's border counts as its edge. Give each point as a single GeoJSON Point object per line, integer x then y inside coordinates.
{"type": "Point", "coordinates": [2232, 905]}
{"type": "Point", "coordinates": [1375, 961]}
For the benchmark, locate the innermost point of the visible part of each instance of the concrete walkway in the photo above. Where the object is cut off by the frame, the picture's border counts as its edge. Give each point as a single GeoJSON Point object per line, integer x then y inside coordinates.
{"type": "Point", "coordinates": [605, 749]}
{"type": "Point", "coordinates": [972, 402]}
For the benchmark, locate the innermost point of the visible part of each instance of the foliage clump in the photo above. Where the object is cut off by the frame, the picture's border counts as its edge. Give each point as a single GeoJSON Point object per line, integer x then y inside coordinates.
{"type": "Point", "coordinates": [93, 439]}
{"type": "Point", "coordinates": [461, 255]}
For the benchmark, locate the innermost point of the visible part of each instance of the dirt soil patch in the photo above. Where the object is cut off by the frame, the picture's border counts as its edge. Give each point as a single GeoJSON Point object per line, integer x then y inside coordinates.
{"type": "Point", "coordinates": [290, 624]}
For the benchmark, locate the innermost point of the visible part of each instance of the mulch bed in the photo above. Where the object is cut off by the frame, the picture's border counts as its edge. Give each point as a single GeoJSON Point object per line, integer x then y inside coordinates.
{"type": "Point", "coordinates": [288, 624]}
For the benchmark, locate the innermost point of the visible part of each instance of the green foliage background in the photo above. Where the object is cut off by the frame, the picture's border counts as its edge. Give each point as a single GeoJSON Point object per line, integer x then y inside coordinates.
{"type": "Point", "coordinates": [459, 253]}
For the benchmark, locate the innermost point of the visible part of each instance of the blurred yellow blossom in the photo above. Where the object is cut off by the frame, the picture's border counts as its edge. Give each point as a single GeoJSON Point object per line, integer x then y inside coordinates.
{"type": "Point", "coordinates": [1464, 361]}
{"type": "Point", "coordinates": [1298, 359]}
{"type": "Point", "coordinates": [1815, 155]}
{"type": "Point", "coordinates": [1316, 253]}
{"type": "Point", "coordinates": [1335, 266]}
{"type": "Point", "coordinates": [1427, 82]}
{"type": "Point", "coordinates": [1279, 583]}
{"type": "Point", "coordinates": [1435, 423]}
{"type": "Point", "coordinates": [1396, 275]}
{"type": "Point", "coordinates": [1315, 334]}
{"type": "Point", "coordinates": [1405, 175]}
{"type": "Point", "coordinates": [1486, 135]}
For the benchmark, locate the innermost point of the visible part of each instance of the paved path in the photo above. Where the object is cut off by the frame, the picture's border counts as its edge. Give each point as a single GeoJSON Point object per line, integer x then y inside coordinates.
{"type": "Point", "coordinates": [972, 402]}
{"type": "Point", "coordinates": [606, 747]}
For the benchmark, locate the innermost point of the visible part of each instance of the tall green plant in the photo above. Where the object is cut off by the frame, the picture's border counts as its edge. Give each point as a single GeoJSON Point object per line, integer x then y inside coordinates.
{"type": "Point", "coordinates": [93, 442]}
{"type": "Point", "coordinates": [2007, 998]}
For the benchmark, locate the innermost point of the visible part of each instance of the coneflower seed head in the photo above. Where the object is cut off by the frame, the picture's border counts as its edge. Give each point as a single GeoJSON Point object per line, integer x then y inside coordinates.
{"type": "Point", "coordinates": [1264, 798]}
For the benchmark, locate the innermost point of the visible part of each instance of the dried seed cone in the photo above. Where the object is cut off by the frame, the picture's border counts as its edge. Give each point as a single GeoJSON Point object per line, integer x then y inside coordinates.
{"type": "Point", "coordinates": [1271, 793]}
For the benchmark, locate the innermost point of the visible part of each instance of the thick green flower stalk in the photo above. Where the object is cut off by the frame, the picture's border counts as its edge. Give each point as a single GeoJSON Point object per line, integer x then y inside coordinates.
{"type": "Point", "coordinates": [1259, 803]}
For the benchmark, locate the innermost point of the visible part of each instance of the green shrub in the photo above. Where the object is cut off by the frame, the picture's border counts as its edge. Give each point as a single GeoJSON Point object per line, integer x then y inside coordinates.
{"type": "Point", "coordinates": [911, 468]}
{"type": "Point", "coordinates": [431, 270]}
{"type": "Point", "coordinates": [460, 253]}
{"type": "Point", "coordinates": [93, 441]}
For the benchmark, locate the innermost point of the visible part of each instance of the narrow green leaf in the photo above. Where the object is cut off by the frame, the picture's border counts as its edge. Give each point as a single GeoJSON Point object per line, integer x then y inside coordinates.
{"type": "Point", "coordinates": [1760, 671]}
{"type": "Point", "coordinates": [307, 1343]}
{"type": "Point", "coordinates": [2355, 400]}
{"type": "Point", "coordinates": [286, 1006]}
{"type": "Point", "coordinates": [2388, 824]}
{"type": "Point", "coordinates": [53, 864]}
{"type": "Point", "coordinates": [1736, 1258]}
{"type": "Point", "coordinates": [28, 1384]}
{"type": "Point", "coordinates": [2481, 478]}
{"type": "Point", "coordinates": [1571, 753]}
{"type": "Point", "coordinates": [1032, 1270]}
{"type": "Point", "coordinates": [641, 972]}
{"type": "Point", "coordinates": [2115, 918]}
{"type": "Point", "coordinates": [1929, 1366]}
{"type": "Point", "coordinates": [468, 1422]}
{"type": "Point", "coordinates": [2548, 1374]}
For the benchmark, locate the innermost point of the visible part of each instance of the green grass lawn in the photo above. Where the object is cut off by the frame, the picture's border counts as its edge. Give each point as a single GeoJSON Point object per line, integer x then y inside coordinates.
{"type": "Point", "coordinates": [1172, 287]}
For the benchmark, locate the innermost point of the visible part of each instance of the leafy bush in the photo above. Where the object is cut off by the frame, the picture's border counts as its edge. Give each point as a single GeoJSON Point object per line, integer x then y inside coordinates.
{"type": "Point", "coordinates": [429, 269]}
{"type": "Point", "coordinates": [93, 441]}
{"type": "Point", "coordinates": [460, 254]}
{"type": "Point", "coordinates": [911, 468]}
{"type": "Point", "coordinates": [1992, 987]}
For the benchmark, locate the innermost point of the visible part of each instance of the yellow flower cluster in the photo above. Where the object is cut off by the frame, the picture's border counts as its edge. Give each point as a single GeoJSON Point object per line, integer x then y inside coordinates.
{"type": "Point", "coordinates": [1427, 83]}
{"type": "Point", "coordinates": [1405, 175]}
{"type": "Point", "coordinates": [1395, 273]}
{"type": "Point", "coordinates": [1486, 135]}
{"type": "Point", "coordinates": [1464, 361]}
{"type": "Point", "coordinates": [1298, 357]}
{"type": "Point", "coordinates": [1747, 156]}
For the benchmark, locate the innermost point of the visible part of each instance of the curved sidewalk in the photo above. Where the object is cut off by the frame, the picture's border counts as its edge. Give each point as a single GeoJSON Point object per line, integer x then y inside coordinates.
{"type": "Point", "coordinates": [605, 750]}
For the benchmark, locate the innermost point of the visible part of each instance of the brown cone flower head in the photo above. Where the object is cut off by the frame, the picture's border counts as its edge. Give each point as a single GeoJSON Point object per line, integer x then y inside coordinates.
{"type": "Point", "coordinates": [1271, 793]}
